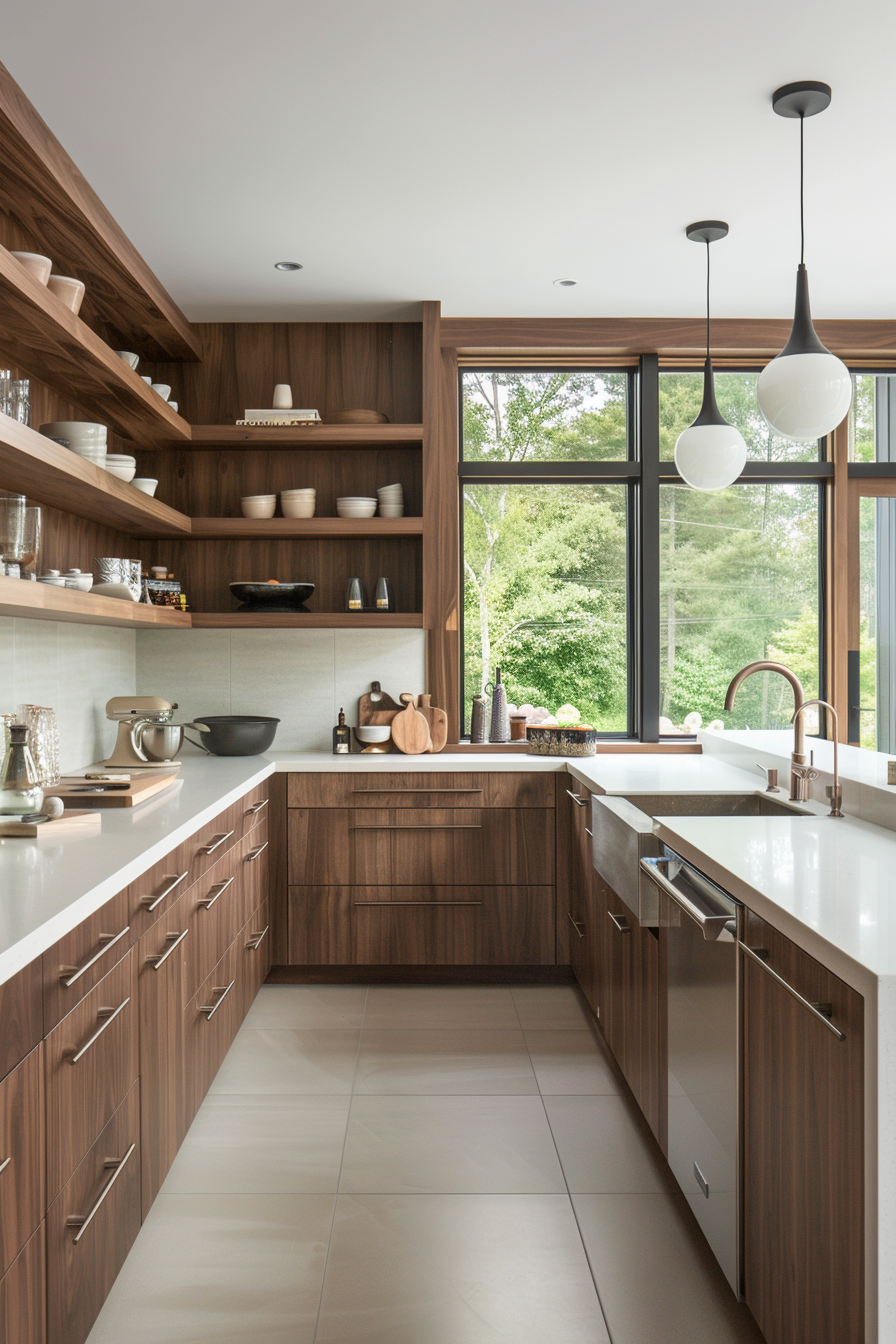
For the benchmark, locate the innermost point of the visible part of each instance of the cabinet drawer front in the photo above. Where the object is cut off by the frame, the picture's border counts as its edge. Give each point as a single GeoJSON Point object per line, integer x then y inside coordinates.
{"type": "Point", "coordinates": [91, 1062]}
{"type": "Point", "coordinates": [214, 913]}
{"type": "Point", "coordinates": [320, 926]}
{"type": "Point", "coordinates": [81, 959]}
{"type": "Point", "coordinates": [255, 862]}
{"type": "Point", "coordinates": [254, 949]}
{"type": "Point", "coordinates": [252, 810]}
{"type": "Point", "coordinates": [22, 1015]}
{"type": "Point", "coordinates": [161, 969]}
{"type": "Point", "coordinates": [209, 845]}
{"type": "Point", "coordinates": [21, 1156]}
{"type": "Point", "coordinates": [92, 1225]}
{"type": "Point", "coordinates": [209, 1028]}
{"type": "Point", "coordinates": [23, 1295]}
{"type": "Point", "coordinates": [431, 788]}
{"type": "Point", "coordinates": [318, 846]}
{"type": "Point", "coordinates": [453, 926]}
{"type": "Point", "coordinates": [153, 894]}
{"type": "Point", "coordinates": [432, 848]}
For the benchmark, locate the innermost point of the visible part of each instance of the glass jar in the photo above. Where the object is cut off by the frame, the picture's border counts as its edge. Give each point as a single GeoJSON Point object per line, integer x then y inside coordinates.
{"type": "Point", "coordinates": [20, 790]}
{"type": "Point", "coordinates": [12, 532]}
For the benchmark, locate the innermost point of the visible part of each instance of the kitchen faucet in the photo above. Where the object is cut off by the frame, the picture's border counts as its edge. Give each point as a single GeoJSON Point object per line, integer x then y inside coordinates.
{"type": "Point", "coordinates": [801, 771]}
{"type": "Point", "coordinates": [837, 787]}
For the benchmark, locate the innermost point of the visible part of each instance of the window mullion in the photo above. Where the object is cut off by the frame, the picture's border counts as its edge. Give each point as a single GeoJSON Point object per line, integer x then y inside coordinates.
{"type": "Point", "coordinates": [647, 663]}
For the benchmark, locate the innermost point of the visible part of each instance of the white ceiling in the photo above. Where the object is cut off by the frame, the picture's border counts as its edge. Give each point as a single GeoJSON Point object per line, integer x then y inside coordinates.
{"type": "Point", "coordinates": [475, 150]}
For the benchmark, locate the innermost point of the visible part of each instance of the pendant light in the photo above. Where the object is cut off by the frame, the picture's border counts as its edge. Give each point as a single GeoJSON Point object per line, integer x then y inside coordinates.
{"type": "Point", "coordinates": [805, 391]}
{"type": "Point", "coordinates": [710, 454]}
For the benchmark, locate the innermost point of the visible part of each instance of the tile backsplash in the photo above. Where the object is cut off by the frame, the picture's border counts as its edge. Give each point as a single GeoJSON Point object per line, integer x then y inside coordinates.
{"type": "Point", "coordinates": [73, 669]}
{"type": "Point", "coordinates": [302, 677]}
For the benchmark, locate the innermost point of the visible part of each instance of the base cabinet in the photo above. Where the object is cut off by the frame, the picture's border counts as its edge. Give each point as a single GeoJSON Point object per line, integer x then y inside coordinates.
{"type": "Point", "coordinates": [161, 968]}
{"type": "Point", "coordinates": [23, 1295]}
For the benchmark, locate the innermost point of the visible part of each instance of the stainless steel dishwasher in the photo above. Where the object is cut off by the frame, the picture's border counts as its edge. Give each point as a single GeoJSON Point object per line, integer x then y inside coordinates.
{"type": "Point", "coordinates": [703, 924]}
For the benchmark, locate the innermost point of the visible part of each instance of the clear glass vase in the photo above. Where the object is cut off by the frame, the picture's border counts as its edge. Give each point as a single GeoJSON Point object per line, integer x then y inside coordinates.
{"type": "Point", "coordinates": [20, 790]}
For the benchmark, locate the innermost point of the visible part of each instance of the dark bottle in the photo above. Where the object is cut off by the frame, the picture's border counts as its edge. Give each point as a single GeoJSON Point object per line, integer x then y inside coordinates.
{"type": "Point", "coordinates": [342, 737]}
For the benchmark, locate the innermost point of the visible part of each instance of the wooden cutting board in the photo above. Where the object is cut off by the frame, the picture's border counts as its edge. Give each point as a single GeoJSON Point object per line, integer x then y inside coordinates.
{"type": "Point", "coordinates": [140, 788]}
{"type": "Point", "coordinates": [410, 730]}
{"type": "Point", "coordinates": [376, 713]}
{"type": "Point", "coordinates": [437, 720]}
{"type": "Point", "coordinates": [70, 823]}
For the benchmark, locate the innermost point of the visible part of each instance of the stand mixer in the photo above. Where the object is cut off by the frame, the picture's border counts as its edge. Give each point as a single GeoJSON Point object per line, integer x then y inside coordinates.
{"type": "Point", "coordinates": [135, 715]}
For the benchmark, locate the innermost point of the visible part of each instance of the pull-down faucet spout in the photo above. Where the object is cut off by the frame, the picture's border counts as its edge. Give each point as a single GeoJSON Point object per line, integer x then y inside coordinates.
{"type": "Point", "coordinates": [799, 785]}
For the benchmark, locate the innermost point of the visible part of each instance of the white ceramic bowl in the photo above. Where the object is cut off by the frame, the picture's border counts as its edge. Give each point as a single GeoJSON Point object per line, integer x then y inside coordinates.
{"type": "Point", "coordinates": [123, 473]}
{"type": "Point", "coordinates": [391, 510]}
{"type": "Point", "coordinates": [147, 379]}
{"type": "Point", "coordinates": [296, 508]}
{"type": "Point", "coordinates": [68, 290]}
{"type": "Point", "coordinates": [76, 576]}
{"type": "Point", "coordinates": [374, 733]}
{"type": "Point", "coordinates": [80, 433]}
{"type": "Point", "coordinates": [173, 405]}
{"type": "Point", "coordinates": [129, 357]}
{"type": "Point", "coordinates": [40, 267]}
{"type": "Point", "coordinates": [259, 508]}
{"type": "Point", "coordinates": [364, 511]}
{"type": "Point", "coordinates": [163, 389]}
{"type": "Point", "coordinates": [146, 484]}
{"type": "Point", "coordinates": [307, 490]}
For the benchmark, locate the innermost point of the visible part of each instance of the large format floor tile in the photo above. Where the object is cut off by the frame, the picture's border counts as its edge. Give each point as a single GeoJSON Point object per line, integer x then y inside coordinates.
{"type": "Point", "coordinates": [570, 1063]}
{"type": "Point", "coordinates": [284, 1062]}
{"type": "Point", "coordinates": [458, 1269]}
{"type": "Point", "coordinates": [285, 1006]}
{"type": "Point", "coordinates": [205, 1269]}
{"type": "Point", "coordinates": [554, 1007]}
{"type": "Point", "coordinates": [462, 1145]}
{"type": "Point", "coordinates": [601, 1148]}
{"type": "Point", "coordinates": [262, 1145]}
{"type": "Point", "coordinates": [479, 1006]}
{"type": "Point", "coordinates": [656, 1276]}
{"type": "Point", "coordinates": [444, 1060]}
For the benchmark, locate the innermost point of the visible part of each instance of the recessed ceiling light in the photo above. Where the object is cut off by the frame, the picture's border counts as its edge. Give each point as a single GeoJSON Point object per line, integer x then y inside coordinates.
{"type": "Point", "coordinates": [287, 265]}
{"type": "Point", "coordinates": [565, 284]}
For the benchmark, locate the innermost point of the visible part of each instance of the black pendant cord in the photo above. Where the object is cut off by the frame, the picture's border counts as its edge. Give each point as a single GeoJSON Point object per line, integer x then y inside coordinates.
{"type": "Point", "coordinates": [707, 298]}
{"type": "Point", "coordinates": [802, 193]}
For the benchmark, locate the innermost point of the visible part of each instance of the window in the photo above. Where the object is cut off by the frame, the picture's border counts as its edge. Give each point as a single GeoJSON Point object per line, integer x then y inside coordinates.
{"type": "Point", "coordinates": [681, 395]}
{"type": "Point", "coordinates": [546, 539]}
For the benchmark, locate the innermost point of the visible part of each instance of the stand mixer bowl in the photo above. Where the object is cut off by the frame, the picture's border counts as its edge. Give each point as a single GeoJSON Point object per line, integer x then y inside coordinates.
{"type": "Point", "coordinates": [159, 741]}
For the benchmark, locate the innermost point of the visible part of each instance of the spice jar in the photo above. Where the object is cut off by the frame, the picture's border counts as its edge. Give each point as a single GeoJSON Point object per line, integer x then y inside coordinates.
{"type": "Point", "coordinates": [518, 727]}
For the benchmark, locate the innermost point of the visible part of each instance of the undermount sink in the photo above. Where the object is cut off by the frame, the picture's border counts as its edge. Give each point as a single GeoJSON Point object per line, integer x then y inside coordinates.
{"type": "Point", "coordinates": [712, 805]}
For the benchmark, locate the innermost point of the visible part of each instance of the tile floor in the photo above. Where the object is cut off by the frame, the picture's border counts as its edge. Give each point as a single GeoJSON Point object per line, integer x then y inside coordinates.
{"type": "Point", "coordinates": [419, 1165]}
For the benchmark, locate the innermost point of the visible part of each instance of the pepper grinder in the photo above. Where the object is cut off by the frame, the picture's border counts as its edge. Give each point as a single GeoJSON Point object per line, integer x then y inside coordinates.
{"type": "Point", "coordinates": [500, 729]}
{"type": "Point", "coordinates": [478, 729]}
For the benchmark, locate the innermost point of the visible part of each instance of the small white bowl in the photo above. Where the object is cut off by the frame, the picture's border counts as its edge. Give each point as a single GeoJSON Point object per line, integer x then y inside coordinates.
{"type": "Point", "coordinates": [77, 577]}
{"type": "Point", "coordinates": [296, 508]}
{"type": "Point", "coordinates": [366, 512]}
{"type": "Point", "coordinates": [68, 290]}
{"type": "Point", "coordinates": [374, 733]}
{"type": "Point", "coordinates": [40, 267]}
{"type": "Point", "coordinates": [173, 405]}
{"type": "Point", "coordinates": [391, 510]}
{"type": "Point", "coordinates": [146, 484]}
{"type": "Point", "coordinates": [306, 491]}
{"type": "Point", "coordinates": [123, 473]}
{"type": "Point", "coordinates": [147, 379]}
{"type": "Point", "coordinates": [129, 357]}
{"type": "Point", "coordinates": [163, 389]}
{"type": "Point", "coordinates": [259, 508]}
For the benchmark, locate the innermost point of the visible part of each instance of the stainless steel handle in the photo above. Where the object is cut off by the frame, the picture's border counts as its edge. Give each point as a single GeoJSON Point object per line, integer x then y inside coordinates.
{"type": "Point", "coordinates": [69, 974]}
{"type": "Point", "coordinates": [208, 901]}
{"type": "Point", "coordinates": [256, 807]}
{"type": "Point", "coordinates": [577, 925]}
{"type": "Point", "coordinates": [427, 903]}
{"type": "Point", "coordinates": [817, 1010]}
{"type": "Point", "coordinates": [157, 959]}
{"type": "Point", "coordinates": [114, 1164]}
{"type": "Point", "coordinates": [256, 853]}
{"type": "Point", "coordinates": [429, 827]}
{"type": "Point", "coordinates": [257, 939]}
{"type": "Point", "coordinates": [701, 1181]}
{"type": "Point", "coordinates": [621, 922]}
{"type": "Point", "coordinates": [218, 842]}
{"type": "Point", "coordinates": [4, 1164]}
{"type": "Point", "coordinates": [399, 789]}
{"type": "Point", "coordinates": [211, 1008]}
{"type": "Point", "coordinates": [582, 802]}
{"type": "Point", "coordinates": [712, 925]}
{"type": "Point", "coordinates": [588, 831]}
{"type": "Point", "coordinates": [152, 901]}
{"type": "Point", "coordinates": [108, 1016]}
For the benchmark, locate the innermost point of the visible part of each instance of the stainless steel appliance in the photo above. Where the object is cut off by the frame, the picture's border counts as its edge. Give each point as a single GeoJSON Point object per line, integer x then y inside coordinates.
{"type": "Point", "coordinates": [703, 924]}
{"type": "Point", "coordinates": [136, 715]}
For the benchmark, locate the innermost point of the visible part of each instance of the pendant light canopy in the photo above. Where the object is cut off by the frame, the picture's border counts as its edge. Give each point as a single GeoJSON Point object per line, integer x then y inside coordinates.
{"type": "Point", "coordinates": [710, 454]}
{"type": "Point", "coordinates": [805, 391]}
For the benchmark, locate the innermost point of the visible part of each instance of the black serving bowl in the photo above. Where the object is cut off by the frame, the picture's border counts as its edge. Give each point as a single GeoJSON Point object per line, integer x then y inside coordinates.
{"type": "Point", "coordinates": [233, 734]}
{"type": "Point", "coordinates": [282, 597]}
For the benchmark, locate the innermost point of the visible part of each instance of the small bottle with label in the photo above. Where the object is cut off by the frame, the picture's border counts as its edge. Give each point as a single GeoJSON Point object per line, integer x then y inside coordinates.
{"type": "Point", "coordinates": [384, 599]}
{"type": "Point", "coordinates": [342, 737]}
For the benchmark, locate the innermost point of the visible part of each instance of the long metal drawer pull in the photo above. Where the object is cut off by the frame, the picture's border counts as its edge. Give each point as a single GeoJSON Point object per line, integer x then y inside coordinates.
{"type": "Point", "coordinates": [218, 842]}
{"type": "Point", "coordinates": [152, 901]}
{"type": "Point", "coordinates": [701, 1181]}
{"type": "Point", "coordinates": [257, 853]}
{"type": "Point", "coordinates": [108, 1016]}
{"type": "Point", "coordinates": [4, 1164]}
{"type": "Point", "coordinates": [257, 939]}
{"type": "Point", "coordinates": [620, 922]}
{"type": "Point", "coordinates": [208, 901]}
{"type": "Point", "coordinates": [428, 827]}
{"type": "Point", "coordinates": [712, 925]}
{"type": "Point", "coordinates": [817, 1010]}
{"type": "Point", "coordinates": [157, 959]}
{"type": "Point", "coordinates": [114, 1164]}
{"type": "Point", "coordinates": [69, 974]}
{"type": "Point", "coordinates": [399, 789]}
{"type": "Point", "coordinates": [427, 903]}
{"type": "Point", "coordinates": [582, 802]}
{"type": "Point", "coordinates": [577, 925]}
{"type": "Point", "coordinates": [257, 807]}
{"type": "Point", "coordinates": [588, 831]}
{"type": "Point", "coordinates": [211, 1008]}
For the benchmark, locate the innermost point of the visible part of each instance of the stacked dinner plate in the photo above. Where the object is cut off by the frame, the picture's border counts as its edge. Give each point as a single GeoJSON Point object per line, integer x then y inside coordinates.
{"type": "Point", "coordinates": [122, 466]}
{"type": "Point", "coordinates": [356, 506]}
{"type": "Point", "coordinates": [298, 503]}
{"type": "Point", "coordinates": [391, 501]}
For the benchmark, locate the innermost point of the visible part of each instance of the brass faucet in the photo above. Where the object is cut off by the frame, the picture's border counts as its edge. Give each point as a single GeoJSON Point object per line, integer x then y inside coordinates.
{"type": "Point", "coordinates": [837, 787]}
{"type": "Point", "coordinates": [800, 768]}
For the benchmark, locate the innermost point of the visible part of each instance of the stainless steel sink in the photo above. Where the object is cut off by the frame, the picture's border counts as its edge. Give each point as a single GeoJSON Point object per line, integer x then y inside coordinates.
{"type": "Point", "coordinates": [712, 805]}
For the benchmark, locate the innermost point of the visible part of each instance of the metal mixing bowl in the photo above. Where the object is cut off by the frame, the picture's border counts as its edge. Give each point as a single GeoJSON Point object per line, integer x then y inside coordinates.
{"type": "Point", "coordinates": [160, 741]}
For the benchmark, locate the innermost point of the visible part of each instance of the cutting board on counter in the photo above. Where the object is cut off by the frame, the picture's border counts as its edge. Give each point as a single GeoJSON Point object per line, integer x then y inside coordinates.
{"type": "Point", "coordinates": [138, 791]}
{"type": "Point", "coordinates": [437, 720]}
{"type": "Point", "coordinates": [376, 708]}
{"type": "Point", "coordinates": [410, 729]}
{"type": "Point", "coordinates": [70, 823]}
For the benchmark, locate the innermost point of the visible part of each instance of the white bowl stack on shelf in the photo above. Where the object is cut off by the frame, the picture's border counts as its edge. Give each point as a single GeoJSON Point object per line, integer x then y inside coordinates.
{"type": "Point", "coordinates": [258, 506]}
{"type": "Point", "coordinates": [391, 501]}
{"type": "Point", "coordinates": [121, 465]}
{"type": "Point", "coordinates": [85, 437]}
{"type": "Point", "coordinates": [356, 506]}
{"type": "Point", "coordinates": [298, 503]}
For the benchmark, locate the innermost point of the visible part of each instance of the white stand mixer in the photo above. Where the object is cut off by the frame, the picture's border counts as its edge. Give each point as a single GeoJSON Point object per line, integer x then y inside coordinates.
{"type": "Point", "coordinates": [134, 715]}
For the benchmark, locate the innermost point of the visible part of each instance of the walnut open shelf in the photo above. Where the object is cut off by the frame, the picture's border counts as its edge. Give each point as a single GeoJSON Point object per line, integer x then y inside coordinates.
{"type": "Point", "coordinates": [34, 465]}
{"type": "Point", "coordinates": [285, 529]}
{"type": "Point", "coordinates": [302, 436]}
{"type": "Point", "coordinates": [44, 338]}
{"type": "Point", "coordinates": [45, 602]}
{"type": "Point", "coordinates": [312, 620]}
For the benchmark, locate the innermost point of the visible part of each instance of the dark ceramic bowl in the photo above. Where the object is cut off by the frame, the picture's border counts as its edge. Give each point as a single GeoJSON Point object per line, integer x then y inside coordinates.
{"type": "Point", "coordinates": [233, 734]}
{"type": "Point", "coordinates": [283, 597]}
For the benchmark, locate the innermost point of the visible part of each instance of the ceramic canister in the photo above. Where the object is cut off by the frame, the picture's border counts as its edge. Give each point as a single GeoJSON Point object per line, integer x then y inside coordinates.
{"type": "Point", "coordinates": [500, 729]}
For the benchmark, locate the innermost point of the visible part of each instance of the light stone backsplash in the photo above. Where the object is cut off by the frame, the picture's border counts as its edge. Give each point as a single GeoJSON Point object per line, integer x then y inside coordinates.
{"type": "Point", "coordinates": [73, 669]}
{"type": "Point", "coordinates": [302, 677]}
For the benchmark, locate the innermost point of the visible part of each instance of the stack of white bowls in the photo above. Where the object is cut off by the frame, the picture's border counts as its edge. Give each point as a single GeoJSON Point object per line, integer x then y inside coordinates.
{"type": "Point", "coordinates": [298, 503]}
{"type": "Point", "coordinates": [356, 506]}
{"type": "Point", "coordinates": [258, 506]}
{"type": "Point", "coordinates": [85, 438]}
{"type": "Point", "coordinates": [391, 501]}
{"type": "Point", "coordinates": [122, 466]}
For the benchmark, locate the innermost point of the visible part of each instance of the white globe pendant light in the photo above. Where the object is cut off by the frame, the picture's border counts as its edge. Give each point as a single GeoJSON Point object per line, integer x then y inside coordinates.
{"type": "Point", "coordinates": [805, 391]}
{"type": "Point", "coordinates": [710, 454]}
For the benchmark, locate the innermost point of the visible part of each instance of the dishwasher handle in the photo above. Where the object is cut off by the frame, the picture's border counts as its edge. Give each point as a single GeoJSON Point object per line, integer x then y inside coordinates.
{"type": "Point", "coordinates": [711, 925]}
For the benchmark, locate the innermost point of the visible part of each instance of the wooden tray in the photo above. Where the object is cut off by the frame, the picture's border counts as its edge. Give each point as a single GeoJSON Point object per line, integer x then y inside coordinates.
{"type": "Point", "coordinates": [70, 822]}
{"type": "Point", "coordinates": [139, 789]}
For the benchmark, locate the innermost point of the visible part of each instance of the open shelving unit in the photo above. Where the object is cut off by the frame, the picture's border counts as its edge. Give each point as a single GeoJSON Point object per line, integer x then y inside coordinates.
{"type": "Point", "coordinates": [313, 620]}
{"type": "Point", "coordinates": [303, 436]}
{"type": "Point", "coordinates": [284, 529]}
{"type": "Point", "coordinates": [44, 601]}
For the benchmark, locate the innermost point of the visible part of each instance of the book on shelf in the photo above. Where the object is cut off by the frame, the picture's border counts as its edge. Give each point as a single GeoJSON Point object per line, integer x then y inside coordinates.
{"type": "Point", "coordinates": [277, 417]}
